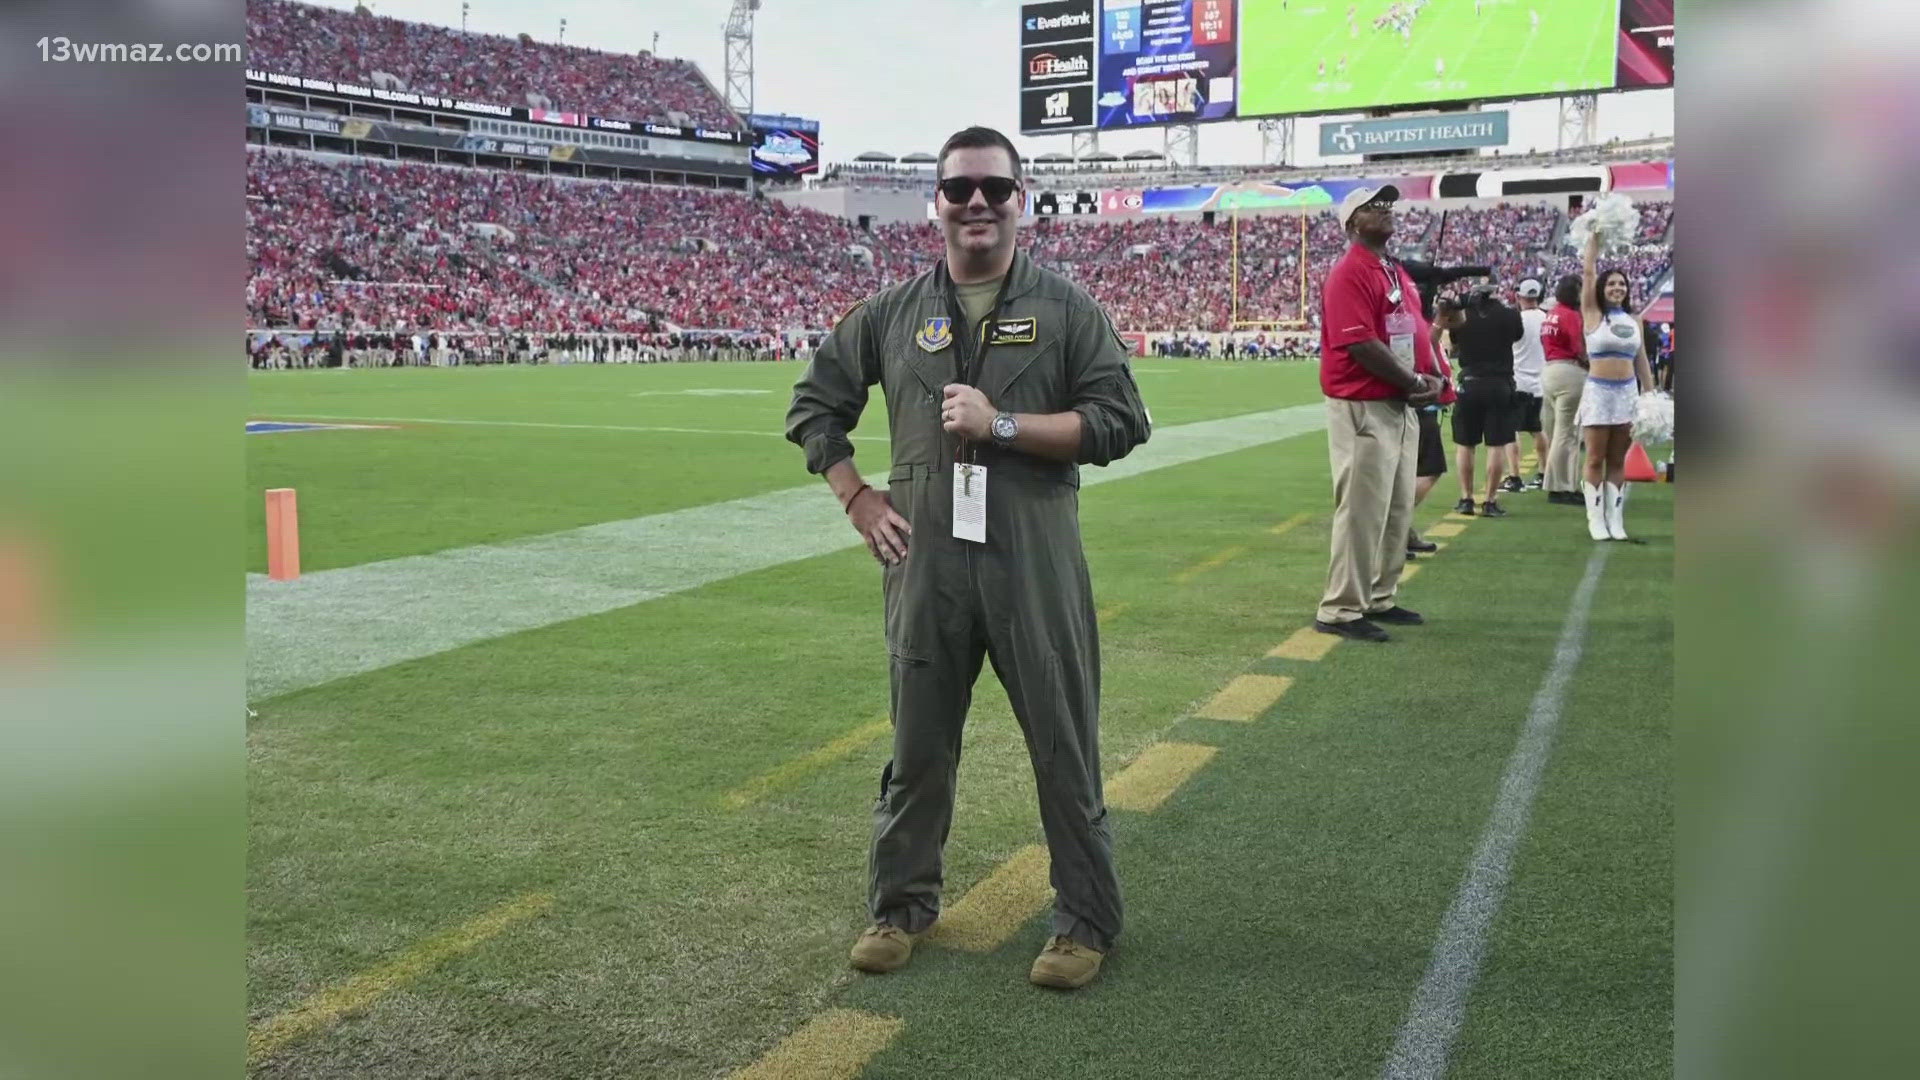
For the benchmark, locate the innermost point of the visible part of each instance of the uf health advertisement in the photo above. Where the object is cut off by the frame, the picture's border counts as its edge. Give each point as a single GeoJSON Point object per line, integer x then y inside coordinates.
{"type": "Point", "coordinates": [1167, 62]}
{"type": "Point", "coordinates": [785, 145]}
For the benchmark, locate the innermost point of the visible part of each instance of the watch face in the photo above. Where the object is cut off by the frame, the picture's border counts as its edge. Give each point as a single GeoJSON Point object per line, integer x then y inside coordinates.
{"type": "Point", "coordinates": [1004, 427]}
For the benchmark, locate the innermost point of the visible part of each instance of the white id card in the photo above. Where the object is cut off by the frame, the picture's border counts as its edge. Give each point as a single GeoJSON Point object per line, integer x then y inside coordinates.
{"type": "Point", "coordinates": [970, 502]}
{"type": "Point", "coordinates": [1400, 328]}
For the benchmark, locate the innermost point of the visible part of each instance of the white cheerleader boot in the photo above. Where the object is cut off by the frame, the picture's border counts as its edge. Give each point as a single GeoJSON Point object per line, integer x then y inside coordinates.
{"type": "Point", "coordinates": [1616, 500]}
{"type": "Point", "coordinates": [1596, 513]}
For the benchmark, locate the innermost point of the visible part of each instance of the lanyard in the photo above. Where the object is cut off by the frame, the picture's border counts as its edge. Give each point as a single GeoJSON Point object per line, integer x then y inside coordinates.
{"type": "Point", "coordinates": [970, 355]}
{"type": "Point", "coordinates": [1392, 270]}
{"type": "Point", "coordinates": [970, 358]}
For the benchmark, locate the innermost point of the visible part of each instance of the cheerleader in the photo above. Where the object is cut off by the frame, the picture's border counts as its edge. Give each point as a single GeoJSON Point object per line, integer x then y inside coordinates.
{"type": "Point", "coordinates": [1618, 375]}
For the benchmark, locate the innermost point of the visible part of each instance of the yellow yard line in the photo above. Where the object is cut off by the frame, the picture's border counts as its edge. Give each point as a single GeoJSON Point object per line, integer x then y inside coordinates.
{"type": "Point", "coordinates": [331, 1005]}
{"type": "Point", "coordinates": [1290, 524]}
{"type": "Point", "coordinates": [1155, 774]}
{"type": "Point", "coordinates": [1214, 563]}
{"type": "Point", "coordinates": [836, 1045]}
{"type": "Point", "coordinates": [1246, 697]}
{"type": "Point", "coordinates": [845, 746]}
{"type": "Point", "coordinates": [1305, 644]}
{"type": "Point", "coordinates": [995, 908]}
{"type": "Point", "coordinates": [1447, 529]}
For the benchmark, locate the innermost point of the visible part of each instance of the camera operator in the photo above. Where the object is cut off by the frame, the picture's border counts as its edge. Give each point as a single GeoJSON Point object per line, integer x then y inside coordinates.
{"type": "Point", "coordinates": [1431, 464]}
{"type": "Point", "coordinates": [1485, 336]}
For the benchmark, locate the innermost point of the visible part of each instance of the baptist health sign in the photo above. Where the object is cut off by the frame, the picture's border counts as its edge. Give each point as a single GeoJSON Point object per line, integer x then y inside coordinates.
{"type": "Point", "coordinates": [1456, 131]}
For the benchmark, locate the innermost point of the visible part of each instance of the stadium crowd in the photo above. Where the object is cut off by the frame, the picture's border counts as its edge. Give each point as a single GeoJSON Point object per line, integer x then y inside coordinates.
{"type": "Point", "coordinates": [285, 349]}
{"type": "Point", "coordinates": [1655, 219]}
{"type": "Point", "coordinates": [336, 243]}
{"type": "Point", "coordinates": [356, 46]}
{"type": "Point", "coordinates": [359, 245]}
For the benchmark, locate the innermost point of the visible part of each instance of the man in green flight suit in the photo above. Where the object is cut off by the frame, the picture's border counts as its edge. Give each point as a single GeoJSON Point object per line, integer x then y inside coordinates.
{"type": "Point", "coordinates": [1001, 379]}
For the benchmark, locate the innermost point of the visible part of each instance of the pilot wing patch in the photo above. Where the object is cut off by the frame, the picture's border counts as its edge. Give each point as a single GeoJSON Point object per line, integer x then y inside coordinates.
{"type": "Point", "coordinates": [1015, 331]}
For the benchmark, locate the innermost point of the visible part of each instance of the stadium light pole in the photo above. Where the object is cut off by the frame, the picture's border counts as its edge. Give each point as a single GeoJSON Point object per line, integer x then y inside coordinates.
{"type": "Point", "coordinates": [739, 38]}
{"type": "Point", "coordinates": [1579, 120]}
{"type": "Point", "coordinates": [1182, 144]}
{"type": "Point", "coordinates": [563, 31]}
{"type": "Point", "coordinates": [1276, 142]}
{"type": "Point", "coordinates": [464, 8]}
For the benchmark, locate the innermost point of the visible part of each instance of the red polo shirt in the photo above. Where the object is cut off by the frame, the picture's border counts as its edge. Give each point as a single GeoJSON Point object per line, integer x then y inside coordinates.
{"type": "Point", "coordinates": [1564, 334]}
{"type": "Point", "coordinates": [1354, 307]}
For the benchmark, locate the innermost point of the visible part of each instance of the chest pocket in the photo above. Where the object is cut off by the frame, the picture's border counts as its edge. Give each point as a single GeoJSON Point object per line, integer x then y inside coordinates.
{"type": "Point", "coordinates": [1028, 378]}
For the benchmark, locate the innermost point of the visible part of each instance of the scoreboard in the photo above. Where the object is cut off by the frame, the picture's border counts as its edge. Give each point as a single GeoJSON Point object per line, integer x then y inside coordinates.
{"type": "Point", "coordinates": [1055, 203]}
{"type": "Point", "coordinates": [1102, 65]}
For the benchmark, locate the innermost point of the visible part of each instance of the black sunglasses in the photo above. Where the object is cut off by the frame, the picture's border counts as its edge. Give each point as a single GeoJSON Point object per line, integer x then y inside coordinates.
{"type": "Point", "coordinates": [959, 189]}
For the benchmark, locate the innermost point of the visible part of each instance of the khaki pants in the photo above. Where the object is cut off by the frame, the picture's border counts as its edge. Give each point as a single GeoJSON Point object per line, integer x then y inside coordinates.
{"type": "Point", "coordinates": [1562, 382]}
{"type": "Point", "coordinates": [1372, 447]}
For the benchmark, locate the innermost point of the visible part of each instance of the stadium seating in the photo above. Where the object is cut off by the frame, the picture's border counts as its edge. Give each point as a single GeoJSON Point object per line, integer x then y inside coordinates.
{"type": "Point", "coordinates": [328, 43]}
{"type": "Point", "coordinates": [337, 242]}
{"type": "Point", "coordinates": [1132, 174]}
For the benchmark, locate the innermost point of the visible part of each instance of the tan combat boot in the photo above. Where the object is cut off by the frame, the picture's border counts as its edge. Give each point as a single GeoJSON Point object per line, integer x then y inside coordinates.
{"type": "Point", "coordinates": [882, 948]}
{"type": "Point", "coordinates": [1066, 964]}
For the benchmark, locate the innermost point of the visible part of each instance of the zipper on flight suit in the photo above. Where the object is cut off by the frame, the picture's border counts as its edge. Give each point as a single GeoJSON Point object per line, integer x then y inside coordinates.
{"type": "Point", "coordinates": [970, 365]}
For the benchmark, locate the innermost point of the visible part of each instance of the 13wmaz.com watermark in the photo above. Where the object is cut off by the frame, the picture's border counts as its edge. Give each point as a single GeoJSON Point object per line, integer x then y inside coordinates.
{"type": "Point", "coordinates": [60, 50]}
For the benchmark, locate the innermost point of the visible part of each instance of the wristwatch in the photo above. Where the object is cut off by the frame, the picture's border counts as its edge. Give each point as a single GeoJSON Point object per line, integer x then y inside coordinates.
{"type": "Point", "coordinates": [1005, 429]}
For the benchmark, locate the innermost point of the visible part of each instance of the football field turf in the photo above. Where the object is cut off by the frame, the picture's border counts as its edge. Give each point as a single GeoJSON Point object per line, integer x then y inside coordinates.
{"type": "Point", "coordinates": [1492, 53]}
{"type": "Point", "coordinates": [632, 843]}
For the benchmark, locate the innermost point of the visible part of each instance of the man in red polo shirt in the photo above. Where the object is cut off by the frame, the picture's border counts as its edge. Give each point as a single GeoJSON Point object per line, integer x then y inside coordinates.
{"type": "Point", "coordinates": [1369, 324]}
{"type": "Point", "coordinates": [1563, 339]}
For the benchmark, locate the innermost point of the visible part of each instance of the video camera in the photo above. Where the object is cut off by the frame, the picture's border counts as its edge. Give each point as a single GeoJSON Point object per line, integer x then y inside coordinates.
{"type": "Point", "coordinates": [1429, 279]}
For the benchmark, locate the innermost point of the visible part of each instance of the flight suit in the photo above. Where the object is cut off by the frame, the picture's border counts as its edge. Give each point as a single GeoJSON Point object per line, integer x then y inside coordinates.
{"type": "Point", "coordinates": [1022, 599]}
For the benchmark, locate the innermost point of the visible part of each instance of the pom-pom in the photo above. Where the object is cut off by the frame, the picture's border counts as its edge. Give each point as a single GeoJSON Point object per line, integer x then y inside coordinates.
{"type": "Point", "coordinates": [1613, 217]}
{"type": "Point", "coordinates": [1654, 423]}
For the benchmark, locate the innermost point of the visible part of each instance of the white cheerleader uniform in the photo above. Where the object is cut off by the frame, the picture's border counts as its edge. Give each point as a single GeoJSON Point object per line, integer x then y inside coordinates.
{"type": "Point", "coordinates": [1606, 402]}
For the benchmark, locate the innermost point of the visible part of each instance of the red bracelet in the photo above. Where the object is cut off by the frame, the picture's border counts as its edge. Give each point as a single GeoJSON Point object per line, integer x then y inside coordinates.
{"type": "Point", "coordinates": [848, 505]}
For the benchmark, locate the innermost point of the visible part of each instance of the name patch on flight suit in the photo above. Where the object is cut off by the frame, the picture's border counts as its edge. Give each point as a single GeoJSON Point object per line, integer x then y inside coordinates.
{"type": "Point", "coordinates": [1014, 331]}
{"type": "Point", "coordinates": [935, 334]}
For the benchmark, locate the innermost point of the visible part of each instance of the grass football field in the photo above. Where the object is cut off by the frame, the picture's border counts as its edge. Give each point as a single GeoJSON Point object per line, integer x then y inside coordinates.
{"type": "Point", "coordinates": [1490, 50]}
{"type": "Point", "coordinates": [632, 842]}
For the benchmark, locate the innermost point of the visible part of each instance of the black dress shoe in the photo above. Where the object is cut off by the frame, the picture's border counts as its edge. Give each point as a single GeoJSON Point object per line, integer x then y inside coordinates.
{"type": "Point", "coordinates": [1422, 547]}
{"type": "Point", "coordinates": [1397, 615]}
{"type": "Point", "coordinates": [1358, 629]}
{"type": "Point", "coordinates": [1566, 498]}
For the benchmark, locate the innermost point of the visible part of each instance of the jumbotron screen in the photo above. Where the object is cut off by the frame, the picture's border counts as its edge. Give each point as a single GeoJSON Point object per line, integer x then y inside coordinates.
{"type": "Point", "coordinates": [1646, 43]}
{"type": "Point", "coordinates": [1329, 55]}
{"type": "Point", "coordinates": [785, 145]}
{"type": "Point", "coordinates": [1105, 64]}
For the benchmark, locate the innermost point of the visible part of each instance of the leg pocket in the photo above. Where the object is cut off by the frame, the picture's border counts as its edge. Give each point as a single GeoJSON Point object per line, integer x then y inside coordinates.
{"type": "Point", "coordinates": [1044, 701]}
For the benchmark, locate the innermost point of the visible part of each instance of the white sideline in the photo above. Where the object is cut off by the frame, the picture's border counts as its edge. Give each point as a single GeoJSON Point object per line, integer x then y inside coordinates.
{"type": "Point", "coordinates": [1424, 1047]}
{"type": "Point", "coordinates": [332, 624]}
